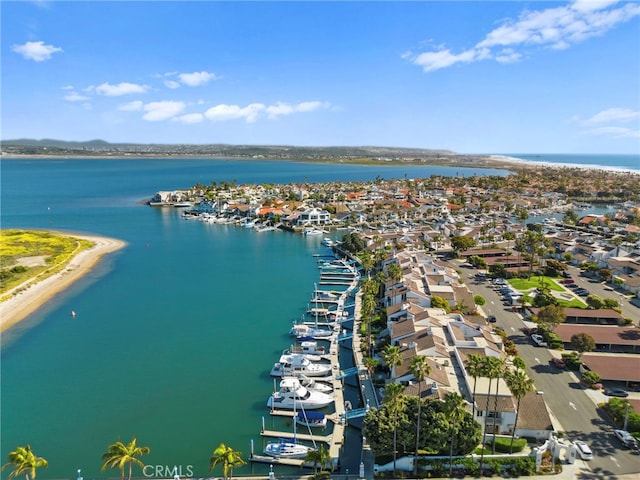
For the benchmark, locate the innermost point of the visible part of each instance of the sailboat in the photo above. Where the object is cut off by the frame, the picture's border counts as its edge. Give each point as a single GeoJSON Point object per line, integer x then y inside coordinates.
{"type": "Point", "coordinates": [284, 448]}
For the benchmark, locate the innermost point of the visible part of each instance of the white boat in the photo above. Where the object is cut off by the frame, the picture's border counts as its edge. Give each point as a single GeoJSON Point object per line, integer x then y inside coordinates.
{"type": "Point", "coordinates": [312, 231]}
{"type": "Point", "coordinates": [295, 365]}
{"type": "Point", "coordinates": [284, 449]}
{"type": "Point", "coordinates": [311, 333]}
{"type": "Point", "coordinates": [309, 347]}
{"type": "Point", "coordinates": [292, 394]}
{"type": "Point", "coordinates": [327, 242]}
{"type": "Point", "coordinates": [311, 419]}
{"type": "Point", "coordinates": [313, 384]}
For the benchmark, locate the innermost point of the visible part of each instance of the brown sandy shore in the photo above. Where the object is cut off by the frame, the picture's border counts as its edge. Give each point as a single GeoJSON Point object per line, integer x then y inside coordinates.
{"type": "Point", "coordinates": [22, 304]}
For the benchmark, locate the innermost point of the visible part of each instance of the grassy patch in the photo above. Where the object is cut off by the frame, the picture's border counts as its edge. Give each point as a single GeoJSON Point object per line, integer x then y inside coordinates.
{"type": "Point", "coordinates": [524, 284]}
{"type": "Point", "coordinates": [55, 249]}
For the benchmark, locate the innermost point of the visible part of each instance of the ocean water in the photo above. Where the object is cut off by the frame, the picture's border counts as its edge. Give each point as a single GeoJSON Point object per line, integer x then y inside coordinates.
{"type": "Point", "coordinates": [629, 162]}
{"type": "Point", "coordinates": [174, 335]}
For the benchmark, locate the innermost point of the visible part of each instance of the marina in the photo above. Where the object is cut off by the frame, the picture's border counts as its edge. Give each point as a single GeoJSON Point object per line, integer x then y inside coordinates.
{"type": "Point", "coordinates": [294, 400]}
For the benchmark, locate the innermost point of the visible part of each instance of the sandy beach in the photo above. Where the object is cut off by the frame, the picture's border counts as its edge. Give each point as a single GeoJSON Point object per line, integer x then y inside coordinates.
{"type": "Point", "coordinates": [19, 306]}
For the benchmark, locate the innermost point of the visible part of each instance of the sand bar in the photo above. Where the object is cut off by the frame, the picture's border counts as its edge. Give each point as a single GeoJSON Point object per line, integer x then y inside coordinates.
{"type": "Point", "coordinates": [27, 301]}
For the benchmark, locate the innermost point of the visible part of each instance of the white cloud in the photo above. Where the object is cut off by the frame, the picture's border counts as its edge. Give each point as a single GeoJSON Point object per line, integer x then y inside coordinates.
{"type": "Point", "coordinates": [556, 28]}
{"type": "Point", "coordinates": [431, 61]}
{"type": "Point", "coordinates": [224, 112]}
{"type": "Point", "coordinates": [280, 108]}
{"type": "Point", "coordinates": [36, 51]}
{"type": "Point", "coordinates": [123, 88]}
{"type": "Point", "coordinates": [190, 118]}
{"type": "Point", "coordinates": [614, 132]}
{"type": "Point", "coordinates": [157, 111]}
{"type": "Point", "coordinates": [614, 115]}
{"type": "Point", "coordinates": [171, 84]}
{"type": "Point", "coordinates": [75, 97]}
{"type": "Point", "coordinates": [196, 79]}
{"type": "Point", "coordinates": [134, 106]}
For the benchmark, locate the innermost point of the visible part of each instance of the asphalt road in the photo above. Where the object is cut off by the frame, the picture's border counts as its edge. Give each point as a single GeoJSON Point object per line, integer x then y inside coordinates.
{"type": "Point", "coordinates": [573, 408]}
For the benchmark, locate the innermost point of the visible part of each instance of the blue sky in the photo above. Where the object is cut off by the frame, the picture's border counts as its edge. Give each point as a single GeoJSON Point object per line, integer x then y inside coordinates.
{"type": "Point", "coordinates": [472, 77]}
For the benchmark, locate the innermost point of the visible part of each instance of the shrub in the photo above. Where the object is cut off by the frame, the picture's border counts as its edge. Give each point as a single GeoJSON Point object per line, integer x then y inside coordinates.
{"type": "Point", "coordinates": [503, 445]}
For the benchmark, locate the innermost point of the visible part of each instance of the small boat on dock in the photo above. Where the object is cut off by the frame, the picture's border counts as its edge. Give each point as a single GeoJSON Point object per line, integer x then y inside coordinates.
{"type": "Point", "coordinates": [311, 419]}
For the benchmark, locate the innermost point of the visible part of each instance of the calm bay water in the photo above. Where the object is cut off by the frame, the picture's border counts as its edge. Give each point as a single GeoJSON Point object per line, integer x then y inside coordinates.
{"type": "Point", "coordinates": [604, 161]}
{"type": "Point", "coordinates": [175, 334]}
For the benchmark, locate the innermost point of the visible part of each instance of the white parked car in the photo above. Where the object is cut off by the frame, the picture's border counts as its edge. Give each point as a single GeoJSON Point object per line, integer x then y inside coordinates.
{"type": "Point", "coordinates": [626, 439]}
{"type": "Point", "coordinates": [583, 450]}
{"type": "Point", "coordinates": [538, 340]}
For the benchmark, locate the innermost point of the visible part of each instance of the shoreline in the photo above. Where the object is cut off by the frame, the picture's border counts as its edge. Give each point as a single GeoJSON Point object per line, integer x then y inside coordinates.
{"type": "Point", "coordinates": [19, 306]}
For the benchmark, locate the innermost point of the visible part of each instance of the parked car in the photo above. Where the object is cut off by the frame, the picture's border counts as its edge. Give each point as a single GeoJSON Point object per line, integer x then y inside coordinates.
{"type": "Point", "coordinates": [582, 292]}
{"type": "Point", "coordinates": [567, 281]}
{"type": "Point", "coordinates": [583, 450]}
{"type": "Point", "coordinates": [538, 340]}
{"type": "Point", "coordinates": [626, 438]}
{"type": "Point", "coordinates": [491, 319]}
{"type": "Point", "coordinates": [574, 286]}
{"type": "Point", "coordinates": [616, 392]}
{"type": "Point", "coordinates": [558, 363]}
{"type": "Point", "coordinates": [566, 274]}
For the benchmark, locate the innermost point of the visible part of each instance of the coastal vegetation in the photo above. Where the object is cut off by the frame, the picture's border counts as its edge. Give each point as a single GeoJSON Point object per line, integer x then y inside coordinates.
{"type": "Point", "coordinates": [119, 455]}
{"type": "Point", "coordinates": [27, 256]}
{"type": "Point", "coordinates": [228, 458]}
{"type": "Point", "coordinates": [24, 462]}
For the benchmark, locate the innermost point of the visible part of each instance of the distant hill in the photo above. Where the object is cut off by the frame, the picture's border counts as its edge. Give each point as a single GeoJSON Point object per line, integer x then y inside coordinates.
{"type": "Point", "coordinates": [100, 147]}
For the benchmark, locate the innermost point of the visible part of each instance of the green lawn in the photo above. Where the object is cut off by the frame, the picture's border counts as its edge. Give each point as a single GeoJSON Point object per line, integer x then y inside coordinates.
{"type": "Point", "coordinates": [525, 285]}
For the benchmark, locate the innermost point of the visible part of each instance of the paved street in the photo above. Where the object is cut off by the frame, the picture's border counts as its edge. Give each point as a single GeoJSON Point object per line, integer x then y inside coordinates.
{"type": "Point", "coordinates": [574, 409]}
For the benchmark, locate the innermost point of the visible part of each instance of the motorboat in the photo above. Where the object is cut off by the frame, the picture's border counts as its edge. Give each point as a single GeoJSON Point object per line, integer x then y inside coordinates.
{"type": "Point", "coordinates": [310, 348]}
{"type": "Point", "coordinates": [311, 419]}
{"type": "Point", "coordinates": [295, 365]}
{"type": "Point", "coordinates": [313, 384]}
{"type": "Point", "coordinates": [293, 394]}
{"type": "Point", "coordinates": [285, 449]}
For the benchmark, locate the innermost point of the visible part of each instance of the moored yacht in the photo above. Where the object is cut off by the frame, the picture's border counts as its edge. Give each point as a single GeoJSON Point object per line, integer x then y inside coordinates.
{"type": "Point", "coordinates": [293, 395]}
{"type": "Point", "coordinates": [295, 365]}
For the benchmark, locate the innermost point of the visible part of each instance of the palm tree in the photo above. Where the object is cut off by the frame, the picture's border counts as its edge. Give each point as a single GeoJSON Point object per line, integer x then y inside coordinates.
{"type": "Point", "coordinates": [391, 356]}
{"type": "Point", "coordinates": [420, 369]}
{"type": "Point", "coordinates": [228, 457]}
{"type": "Point", "coordinates": [24, 462]}
{"type": "Point", "coordinates": [395, 402]}
{"type": "Point", "coordinates": [454, 408]}
{"type": "Point", "coordinates": [519, 384]}
{"type": "Point", "coordinates": [498, 372]}
{"type": "Point", "coordinates": [319, 457]}
{"type": "Point", "coordinates": [119, 455]}
{"type": "Point", "coordinates": [474, 366]}
{"type": "Point", "coordinates": [489, 367]}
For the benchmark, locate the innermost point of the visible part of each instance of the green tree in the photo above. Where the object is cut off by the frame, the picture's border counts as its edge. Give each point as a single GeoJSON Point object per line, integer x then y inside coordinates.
{"type": "Point", "coordinates": [550, 316]}
{"type": "Point", "coordinates": [460, 243]}
{"type": "Point", "coordinates": [24, 462]}
{"type": "Point", "coordinates": [519, 384]}
{"type": "Point", "coordinates": [454, 409]}
{"type": "Point", "coordinates": [439, 302]}
{"type": "Point", "coordinates": [228, 458]}
{"type": "Point", "coordinates": [391, 356]}
{"type": "Point", "coordinates": [590, 377]}
{"type": "Point", "coordinates": [474, 364]}
{"type": "Point", "coordinates": [120, 455]}
{"type": "Point", "coordinates": [594, 301]}
{"type": "Point", "coordinates": [491, 370]}
{"type": "Point", "coordinates": [420, 369]}
{"type": "Point", "coordinates": [394, 271]}
{"type": "Point", "coordinates": [395, 401]}
{"type": "Point", "coordinates": [499, 371]}
{"type": "Point", "coordinates": [581, 342]}
{"type": "Point", "coordinates": [479, 300]}
{"type": "Point", "coordinates": [508, 236]}
{"type": "Point", "coordinates": [319, 457]}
